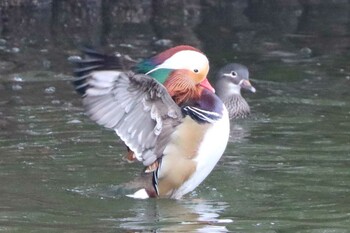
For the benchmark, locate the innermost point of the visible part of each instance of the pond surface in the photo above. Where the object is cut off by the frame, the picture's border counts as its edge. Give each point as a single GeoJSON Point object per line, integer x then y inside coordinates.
{"type": "Point", "coordinates": [286, 168]}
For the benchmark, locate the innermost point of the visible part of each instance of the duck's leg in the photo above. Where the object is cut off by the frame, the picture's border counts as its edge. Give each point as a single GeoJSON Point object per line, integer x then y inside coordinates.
{"type": "Point", "coordinates": [130, 157]}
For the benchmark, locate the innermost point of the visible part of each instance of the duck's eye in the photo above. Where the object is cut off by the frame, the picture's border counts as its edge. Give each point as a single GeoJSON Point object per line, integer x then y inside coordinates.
{"type": "Point", "coordinates": [234, 74]}
{"type": "Point", "coordinates": [196, 70]}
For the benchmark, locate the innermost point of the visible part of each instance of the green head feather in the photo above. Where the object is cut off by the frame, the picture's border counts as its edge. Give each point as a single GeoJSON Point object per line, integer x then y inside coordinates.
{"type": "Point", "coordinates": [161, 75]}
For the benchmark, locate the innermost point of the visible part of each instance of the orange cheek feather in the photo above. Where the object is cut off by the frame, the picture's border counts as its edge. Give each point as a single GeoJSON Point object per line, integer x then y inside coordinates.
{"type": "Point", "coordinates": [181, 86]}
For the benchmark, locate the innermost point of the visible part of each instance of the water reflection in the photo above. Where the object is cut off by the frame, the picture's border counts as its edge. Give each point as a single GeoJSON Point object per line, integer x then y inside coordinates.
{"type": "Point", "coordinates": [186, 215]}
{"type": "Point", "coordinates": [189, 215]}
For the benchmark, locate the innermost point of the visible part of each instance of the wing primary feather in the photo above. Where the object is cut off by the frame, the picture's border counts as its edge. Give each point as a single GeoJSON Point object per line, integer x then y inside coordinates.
{"type": "Point", "coordinates": [137, 107]}
{"type": "Point", "coordinates": [85, 70]}
{"type": "Point", "coordinates": [100, 109]}
{"type": "Point", "coordinates": [106, 61]}
{"type": "Point", "coordinates": [110, 117]}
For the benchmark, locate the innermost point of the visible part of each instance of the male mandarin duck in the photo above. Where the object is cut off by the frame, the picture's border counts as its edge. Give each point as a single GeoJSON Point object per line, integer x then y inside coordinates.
{"type": "Point", "coordinates": [176, 125]}
{"type": "Point", "coordinates": [168, 67]}
{"type": "Point", "coordinates": [229, 81]}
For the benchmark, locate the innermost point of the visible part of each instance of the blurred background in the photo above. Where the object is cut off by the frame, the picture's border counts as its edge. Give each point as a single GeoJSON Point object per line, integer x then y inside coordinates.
{"type": "Point", "coordinates": [286, 168]}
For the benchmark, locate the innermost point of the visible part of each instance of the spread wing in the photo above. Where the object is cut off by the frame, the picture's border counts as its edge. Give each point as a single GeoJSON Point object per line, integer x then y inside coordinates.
{"type": "Point", "coordinates": [136, 106]}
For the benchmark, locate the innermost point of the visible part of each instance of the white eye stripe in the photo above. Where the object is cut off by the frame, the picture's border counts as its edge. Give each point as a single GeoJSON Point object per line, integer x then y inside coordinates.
{"type": "Point", "coordinates": [159, 67]}
{"type": "Point", "coordinates": [230, 75]}
{"type": "Point", "coordinates": [186, 59]}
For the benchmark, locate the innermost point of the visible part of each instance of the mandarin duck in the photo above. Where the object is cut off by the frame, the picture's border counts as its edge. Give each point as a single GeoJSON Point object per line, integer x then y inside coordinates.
{"type": "Point", "coordinates": [181, 69]}
{"type": "Point", "coordinates": [229, 81]}
{"type": "Point", "coordinates": [176, 125]}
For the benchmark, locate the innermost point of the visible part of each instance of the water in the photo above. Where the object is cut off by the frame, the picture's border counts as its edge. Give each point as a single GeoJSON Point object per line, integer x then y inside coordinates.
{"type": "Point", "coordinates": [286, 169]}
